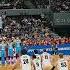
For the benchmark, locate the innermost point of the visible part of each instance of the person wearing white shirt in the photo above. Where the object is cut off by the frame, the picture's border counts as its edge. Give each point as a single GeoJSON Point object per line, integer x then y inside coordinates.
{"type": "Point", "coordinates": [46, 61]}
{"type": "Point", "coordinates": [62, 64]}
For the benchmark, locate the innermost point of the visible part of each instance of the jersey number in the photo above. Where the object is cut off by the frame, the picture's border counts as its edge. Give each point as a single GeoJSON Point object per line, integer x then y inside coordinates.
{"type": "Point", "coordinates": [37, 64]}
{"type": "Point", "coordinates": [46, 57]}
{"type": "Point", "coordinates": [25, 61]}
{"type": "Point", "coordinates": [63, 64]}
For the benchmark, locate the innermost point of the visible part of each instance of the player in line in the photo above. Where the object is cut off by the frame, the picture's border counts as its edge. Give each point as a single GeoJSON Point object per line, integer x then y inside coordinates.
{"type": "Point", "coordinates": [62, 63]}
{"type": "Point", "coordinates": [43, 61]}
{"type": "Point", "coordinates": [46, 61]}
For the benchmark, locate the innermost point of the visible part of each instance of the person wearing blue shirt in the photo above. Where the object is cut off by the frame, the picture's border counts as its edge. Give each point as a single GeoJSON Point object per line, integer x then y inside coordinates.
{"type": "Point", "coordinates": [3, 55]}
{"type": "Point", "coordinates": [10, 52]}
{"type": "Point", "coordinates": [18, 49]}
{"type": "Point", "coordinates": [0, 51]}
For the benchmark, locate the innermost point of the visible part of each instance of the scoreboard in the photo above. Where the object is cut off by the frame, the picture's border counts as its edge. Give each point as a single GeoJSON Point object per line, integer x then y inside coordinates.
{"type": "Point", "coordinates": [61, 19]}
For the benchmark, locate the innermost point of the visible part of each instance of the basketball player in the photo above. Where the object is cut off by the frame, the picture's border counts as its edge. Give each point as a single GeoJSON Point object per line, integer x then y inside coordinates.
{"type": "Point", "coordinates": [18, 49]}
{"type": "Point", "coordinates": [36, 62]}
{"type": "Point", "coordinates": [62, 63]}
{"type": "Point", "coordinates": [10, 54]}
{"type": "Point", "coordinates": [37, 55]}
{"type": "Point", "coordinates": [0, 49]}
{"type": "Point", "coordinates": [25, 62]}
{"type": "Point", "coordinates": [46, 61]}
{"type": "Point", "coordinates": [3, 55]}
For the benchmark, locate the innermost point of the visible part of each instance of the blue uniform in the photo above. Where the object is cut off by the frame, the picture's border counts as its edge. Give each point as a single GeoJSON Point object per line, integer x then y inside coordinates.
{"type": "Point", "coordinates": [10, 51]}
{"type": "Point", "coordinates": [3, 52]}
{"type": "Point", "coordinates": [3, 55]}
{"type": "Point", "coordinates": [3, 60]}
{"type": "Point", "coordinates": [18, 48]}
{"type": "Point", "coordinates": [0, 49]}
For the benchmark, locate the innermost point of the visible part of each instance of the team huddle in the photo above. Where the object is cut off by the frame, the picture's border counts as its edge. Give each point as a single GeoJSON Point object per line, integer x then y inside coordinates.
{"type": "Point", "coordinates": [42, 62]}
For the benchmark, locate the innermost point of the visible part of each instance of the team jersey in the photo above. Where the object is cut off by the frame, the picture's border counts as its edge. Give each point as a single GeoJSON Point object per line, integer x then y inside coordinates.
{"type": "Point", "coordinates": [38, 56]}
{"type": "Point", "coordinates": [18, 48]}
{"type": "Point", "coordinates": [0, 53]}
{"type": "Point", "coordinates": [0, 49]}
{"type": "Point", "coordinates": [3, 53]}
{"type": "Point", "coordinates": [45, 57]}
{"type": "Point", "coordinates": [10, 51]}
{"type": "Point", "coordinates": [62, 64]}
{"type": "Point", "coordinates": [37, 64]}
{"type": "Point", "coordinates": [26, 62]}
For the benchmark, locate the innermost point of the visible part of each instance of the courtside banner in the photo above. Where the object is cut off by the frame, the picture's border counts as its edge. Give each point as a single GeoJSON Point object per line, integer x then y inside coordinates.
{"type": "Point", "coordinates": [40, 48]}
{"type": "Point", "coordinates": [62, 48]}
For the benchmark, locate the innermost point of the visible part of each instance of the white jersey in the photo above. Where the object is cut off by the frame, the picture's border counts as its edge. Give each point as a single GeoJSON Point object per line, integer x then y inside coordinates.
{"type": "Point", "coordinates": [62, 64]}
{"type": "Point", "coordinates": [37, 64]}
{"type": "Point", "coordinates": [26, 62]}
{"type": "Point", "coordinates": [38, 56]}
{"type": "Point", "coordinates": [45, 58]}
{"type": "Point", "coordinates": [14, 52]}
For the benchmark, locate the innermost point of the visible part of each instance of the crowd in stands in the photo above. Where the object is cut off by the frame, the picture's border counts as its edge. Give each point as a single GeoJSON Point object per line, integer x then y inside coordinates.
{"type": "Point", "coordinates": [12, 4]}
{"type": "Point", "coordinates": [31, 31]}
{"type": "Point", "coordinates": [19, 4]}
{"type": "Point", "coordinates": [60, 5]}
{"type": "Point", "coordinates": [55, 5]}
{"type": "Point", "coordinates": [25, 26]}
{"type": "Point", "coordinates": [27, 41]}
{"type": "Point", "coordinates": [41, 3]}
